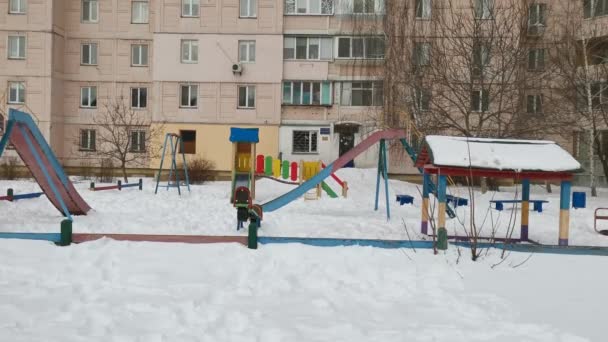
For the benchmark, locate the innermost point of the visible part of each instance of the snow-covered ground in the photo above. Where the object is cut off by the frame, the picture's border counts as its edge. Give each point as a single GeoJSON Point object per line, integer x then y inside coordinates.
{"type": "Point", "coordinates": [206, 210]}
{"type": "Point", "coordinates": [126, 291]}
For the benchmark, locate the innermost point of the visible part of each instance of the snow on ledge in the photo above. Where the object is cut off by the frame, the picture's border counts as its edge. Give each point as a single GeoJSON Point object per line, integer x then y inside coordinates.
{"type": "Point", "coordinates": [501, 154]}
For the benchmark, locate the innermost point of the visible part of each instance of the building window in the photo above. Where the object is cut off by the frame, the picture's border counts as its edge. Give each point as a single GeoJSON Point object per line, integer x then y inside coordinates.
{"type": "Point", "coordinates": [87, 139]}
{"type": "Point", "coordinates": [365, 93]}
{"type": "Point", "coordinates": [480, 101]}
{"type": "Point", "coordinates": [361, 47]}
{"type": "Point", "coordinates": [599, 94]}
{"type": "Point", "coordinates": [307, 93]}
{"type": "Point", "coordinates": [139, 98]}
{"type": "Point", "coordinates": [16, 47]}
{"type": "Point", "coordinates": [304, 142]}
{"type": "Point", "coordinates": [247, 97]}
{"type": "Point", "coordinates": [247, 51]}
{"type": "Point", "coordinates": [139, 11]}
{"type": "Point", "coordinates": [90, 10]}
{"type": "Point", "coordinates": [88, 97]}
{"type": "Point", "coordinates": [484, 9]}
{"type": "Point", "coordinates": [190, 8]}
{"type": "Point", "coordinates": [138, 141]}
{"type": "Point", "coordinates": [422, 53]}
{"type": "Point", "coordinates": [423, 9]}
{"type": "Point", "coordinates": [537, 14]}
{"type": "Point", "coordinates": [309, 7]}
{"type": "Point", "coordinates": [364, 6]}
{"type": "Point", "coordinates": [189, 51]}
{"type": "Point", "coordinates": [481, 58]}
{"type": "Point", "coordinates": [595, 8]}
{"type": "Point", "coordinates": [188, 95]}
{"type": "Point", "coordinates": [139, 54]}
{"type": "Point", "coordinates": [248, 8]}
{"type": "Point", "coordinates": [16, 92]}
{"type": "Point", "coordinates": [307, 48]}
{"type": "Point", "coordinates": [17, 7]}
{"type": "Point", "coordinates": [534, 104]}
{"type": "Point", "coordinates": [422, 100]}
{"type": "Point", "coordinates": [188, 141]}
{"type": "Point", "coordinates": [536, 59]}
{"type": "Point", "coordinates": [88, 54]}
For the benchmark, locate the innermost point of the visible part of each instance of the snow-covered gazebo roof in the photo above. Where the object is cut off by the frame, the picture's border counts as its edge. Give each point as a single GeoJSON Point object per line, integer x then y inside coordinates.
{"type": "Point", "coordinates": [507, 156]}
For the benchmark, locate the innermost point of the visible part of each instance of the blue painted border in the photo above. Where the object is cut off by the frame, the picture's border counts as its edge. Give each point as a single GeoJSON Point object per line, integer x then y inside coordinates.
{"type": "Point", "coordinates": [53, 237]}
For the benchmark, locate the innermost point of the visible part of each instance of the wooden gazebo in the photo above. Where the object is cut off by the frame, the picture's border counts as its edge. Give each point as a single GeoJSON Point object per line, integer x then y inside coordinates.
{"type": "Point", "coordinates": [521, 160]}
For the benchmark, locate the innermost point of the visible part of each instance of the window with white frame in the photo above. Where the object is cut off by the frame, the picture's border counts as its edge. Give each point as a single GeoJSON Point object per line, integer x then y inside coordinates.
{"type": "Point", "coordinates": [423, 9]}
{"type": "Point", "coordinates": [362, 93]}
{"type": "Point", "coordinates": [16, 92]}
{"type": "Point", "coordinates": [536, 59]}
{"type": "Point", "coordinates": [308, 48]}
{"type": "Point", "coordinates": [422, 99]}
{"type": "Point", "coordinates": [190, 8]}
{"type": "Point", "coordinates": [248, 8]}
{"type": "Point", "coordinates": [90, 11]}
{"type": "Point", "coordinates": [361, 47]}
{"type": "Point", "coordinates": [307, 93]}
{"type": "Point", "coordinates": [246, 96]}
{"type": "Point", "coordinates": [88, 97]}
{"type": "Point", "coordinates": [247, 51]}
{"type": "Point", "coordinates": [16, 47]}
{"type": "Point", "coordinates": [139, 97]}
{"type": "Point", "coordinates": [480, 101]}
{"type": "Point", "coordinates": [481, 57]}
{"type": "Point", "coordinates": [304, 142]}
{"type": "Point", "coordinates": [599, 94]}
{"type": "Point", "coordinates": [88, 54]}
{"type": "Point", "coordinates": [309, 7]}
{"type": "Point", "coordinates": [17, 6]}
{"type": "Point", "coordinates": [138, 141]}
{"type": "Point", "coordinates": [189, 51]}
{"type": "Point", "coordinates": [534, 104]}
{"type": "Point", "coordinates": [484, 9]}
{"type": "Point", "coordinates": [595, 8]}
{"type": "Point", "coordinates": [364, 6]}
{"type": "Point", "coordinates": [139, 54]}
{"type": "Point", "coordinates": [422, 53]}
{"type": "Point", "coordinates": [139, 11]}
{"type": "Point", "coordinates": [87, 140]}
{"type": "Point", "coordinates": [537, 14]}
{"type": "Point", "coordinates": [188, 95]}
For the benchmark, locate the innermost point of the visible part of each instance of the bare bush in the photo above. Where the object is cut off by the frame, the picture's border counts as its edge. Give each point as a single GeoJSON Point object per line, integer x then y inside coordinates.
{"type": "Point", "coordinates": [199, 170]}
{"type": "Point", "coordinates": [106, 171]}
{"type": "Point", "coordinates": [9, 168]}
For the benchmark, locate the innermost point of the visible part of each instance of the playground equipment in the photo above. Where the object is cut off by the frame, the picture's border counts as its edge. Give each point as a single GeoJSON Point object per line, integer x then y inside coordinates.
{"type": "Point", "coordinates": [10, 196]}
{"type": "Point", "coordinates": [598, 217]}
{"type": "Point", "coordinates": [293, 173]}
{"type": "Point", "coordinates": [118, 186]}
{"type": "Point", "coordinates": [38, 157]}
{"type": "Point", "coordinates": [244, 141]}
{"type": "Point", "coordinates": [174, 141]}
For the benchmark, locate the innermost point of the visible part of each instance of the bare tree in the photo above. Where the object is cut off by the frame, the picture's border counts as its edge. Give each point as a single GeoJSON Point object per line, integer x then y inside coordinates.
{"type": "Point", "coordinates": [580, 63]}
{"type": "Point", "coordinates": [125, 135]}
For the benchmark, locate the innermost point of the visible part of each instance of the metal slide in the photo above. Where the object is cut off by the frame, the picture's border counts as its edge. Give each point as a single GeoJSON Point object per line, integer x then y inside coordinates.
{"type": "Point", "coordinates": [292, 195]}
{"type": "Point", "coordinates": [37, 155]}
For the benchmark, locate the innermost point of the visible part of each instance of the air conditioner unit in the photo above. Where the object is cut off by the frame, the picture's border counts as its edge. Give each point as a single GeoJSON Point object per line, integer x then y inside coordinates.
{"type": "Point", "coordinates": [237, 68]}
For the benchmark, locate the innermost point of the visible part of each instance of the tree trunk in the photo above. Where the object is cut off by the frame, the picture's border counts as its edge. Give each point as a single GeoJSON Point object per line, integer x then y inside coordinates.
{"type": "Point", "coordinates": [484, 184]}
{"type": "Point", "coordinates": [590, 112]}
{"type": "Point", "coordinates": [123, 167]}
{"type": "Point", "coordinates": [549, 190]}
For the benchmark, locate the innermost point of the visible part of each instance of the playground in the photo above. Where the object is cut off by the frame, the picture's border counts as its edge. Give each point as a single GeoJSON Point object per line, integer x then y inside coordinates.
{"type": "Point", "coordinates": [380, 279]}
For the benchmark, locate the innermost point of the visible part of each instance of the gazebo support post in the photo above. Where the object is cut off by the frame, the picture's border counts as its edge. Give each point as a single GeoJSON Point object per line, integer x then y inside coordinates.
{"type": "Point", "coordinates": [424, 223]}
{"type": "Point", "coordinates": [525, 209]}
{"type": "Point", "coordinates": [564, 212]}
{"type": "Point", "coordinates": [442, 233]}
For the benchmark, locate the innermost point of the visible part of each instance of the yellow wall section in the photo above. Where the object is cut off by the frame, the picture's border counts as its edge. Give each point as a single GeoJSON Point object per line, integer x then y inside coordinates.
{"type": "Point", "coordinates": [212, 143]}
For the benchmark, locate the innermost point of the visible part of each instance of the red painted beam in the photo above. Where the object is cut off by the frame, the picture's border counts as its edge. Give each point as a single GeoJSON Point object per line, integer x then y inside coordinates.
{"type": "Point", "coordinates": [84, 237]}
{"type": "Point", "coordinates": [467, 172]}
{"type": "Point", "coordinates": [108, 187]}
{"type": "Point", "coordinates": [333, 175]}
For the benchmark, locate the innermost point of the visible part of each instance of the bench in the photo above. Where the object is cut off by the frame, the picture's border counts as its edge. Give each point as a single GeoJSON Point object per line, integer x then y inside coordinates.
{"type": "Point", "coordinates": [403, 199]}
{"type": "Point", "coordinates": [458, 201]}
{"type": "Point", "coordinates": [598, 217]}
{"type": "Point", "coordinates": [537, 204]}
